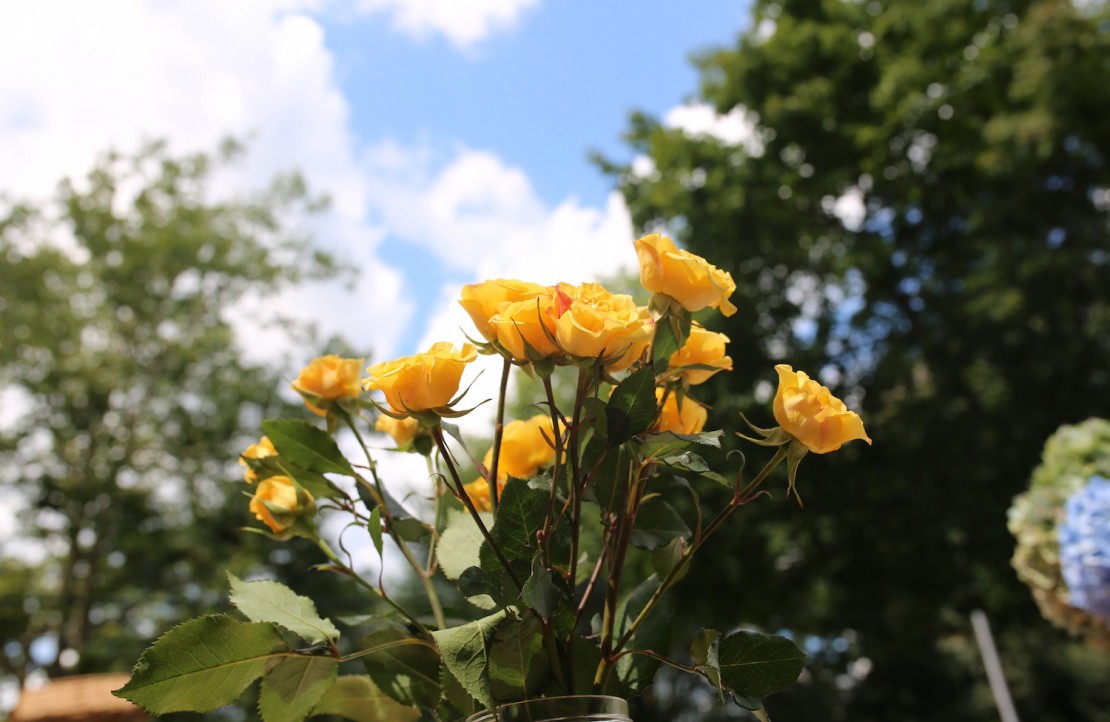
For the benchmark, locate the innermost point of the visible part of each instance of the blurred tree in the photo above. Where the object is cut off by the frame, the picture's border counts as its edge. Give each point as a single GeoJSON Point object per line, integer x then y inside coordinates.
{"type": "Point", "coordinates": [917, 210]}
{"type": "Point", "coordinates": [127, 400]}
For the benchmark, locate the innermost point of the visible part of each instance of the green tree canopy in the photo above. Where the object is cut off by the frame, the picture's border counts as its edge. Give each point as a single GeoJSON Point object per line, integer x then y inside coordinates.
{"type": "Point", "coordinates": [965, 312]}
{"type": "Point", "coordinates": [128, 400]}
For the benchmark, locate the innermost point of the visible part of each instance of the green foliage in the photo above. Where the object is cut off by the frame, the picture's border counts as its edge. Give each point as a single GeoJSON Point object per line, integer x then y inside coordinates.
{"type": "Point", "coordinates": [355, 697]}
{"type": "Point", "coordinates": [307, 446]}
{"type": "Point", "coordinates": [403, 666]}
{"type": "Point", "coordinates": [632, 408]}
{"type": "Point", "coordinates": [292, 689]}
{"type": "Point", "coordinates": [756, 665]}
{"type": "Point", "coordinates": [965, 313]}
{"type": "Point", "coordinates": [465, 651]}
{"type": "Point", "coordinates": [270, 601]}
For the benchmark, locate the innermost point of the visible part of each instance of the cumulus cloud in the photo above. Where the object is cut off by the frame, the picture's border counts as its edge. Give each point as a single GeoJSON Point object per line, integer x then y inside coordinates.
{"type": "Point", "coordinates": [465, 23]}
{"type": "Point", "coordinates": [701, 120]}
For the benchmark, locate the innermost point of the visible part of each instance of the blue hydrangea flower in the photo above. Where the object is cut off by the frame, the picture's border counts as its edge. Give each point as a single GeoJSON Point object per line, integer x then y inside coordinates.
{"type": "Point", "coordinates": [1085, 548]}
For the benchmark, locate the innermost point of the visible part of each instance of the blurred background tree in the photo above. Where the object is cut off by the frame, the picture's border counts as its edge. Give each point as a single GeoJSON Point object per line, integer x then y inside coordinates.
{"type": "Point", "coordinates": [919, 213]}
{"type": "Point", "coordinates": [127, 399]}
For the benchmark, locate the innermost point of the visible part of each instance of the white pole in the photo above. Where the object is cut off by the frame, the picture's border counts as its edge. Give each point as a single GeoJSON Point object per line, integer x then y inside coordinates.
{"type": "Point", "coordinates": [995, 676]}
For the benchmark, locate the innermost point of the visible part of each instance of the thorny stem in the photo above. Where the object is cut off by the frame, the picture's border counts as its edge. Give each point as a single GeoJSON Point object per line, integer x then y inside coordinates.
{"type": "Point", "coordinates": [558, 440]}
{"type": "Point", "coordinates": [574, 487]}
{"type": "Point", "coordinates": [740, 498]}
{"type": "Point", "coordinates": [437, 434]}
{"type": "Point", "coordinates": [421, 572]}
{"type": "Point", "coordinates": [498, 430]}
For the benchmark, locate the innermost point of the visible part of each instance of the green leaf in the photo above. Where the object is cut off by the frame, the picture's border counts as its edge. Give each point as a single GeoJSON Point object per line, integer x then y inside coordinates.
{"type": "Point", "coordinates": [270, 601]}
{"type": "Point", "coordinates": [704, 651]}
{"type": "Point", "coordinates": [671, 332]}
{"type": "Point", "coordinates": [636, 671]}
{"type": "Point", "coordinates": [542, 591]}
{"type": "Point", "coordinates": [292, 688]}
{"type": "Point", "coordinates": [357, 698]}
{"type": "Point", "coordinates": [664, 558]}
{"type": "Point", "coordinates": [520, 515]}
{"type": "Point", "coordinates": [202, 664]}
{"type": "Point", "coordinates": [517, 664]}
{"type": "Point", "coordinates": [375, 528]}
{"type": "Point", "coordinates": [658, 445]}
{"type": "Point", "coordinates": [478, 588]}
{"type": "Point", "coordinates": [756, 665]}
{"type": "Point", "coordinates": [459, 702]}
{"type": "Point", "coordinates": [307, 446]}
{"type": "Point", "coordinates": [406, 668]}
{"type": "Point", "coordinates": [459, 546]}
{"type": "Point", "coordinates": [317, 484]}
{"type": "Point", "coordinates": [657, 523]}
{"type": "Point", "coordinates": [465, 653]}
{"type": "Point", "coordinates": [632, 407]}
{"type": "Point", "coordinates": [585, 656]}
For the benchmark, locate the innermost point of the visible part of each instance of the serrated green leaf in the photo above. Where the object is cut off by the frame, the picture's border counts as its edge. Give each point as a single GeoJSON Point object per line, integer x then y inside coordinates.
{"type": "Point", "coordinates": [654, 634]}
{"type": "Point", "coordinates": [292, 688]}
{"type": "Point", "coordinates": [478, 588]}
{"type": "Point", "coordinates": [459, 546]}
{"type": "Point", "coordinates": [517, 665]}
{"type": "Point", "coordinates": [541, 591]}
{"type": "Point", "coordinates": [406, 667]}
{"type": "Point", "coordinates": [632, 407]}
{"type": "Point", "coordinates": [202, 664]}
{"type": "Point", "coordinates": [465, 652]}
{"type": "Point", "coordinates": [657, 523]}
{"type": "Point", "coordinates": [756, 665]}
{"type": "Point", "coordinates": [307, 446]}
{"type": "Point", "coordinates": [461, 704]}
{"type": "Point", "coordinates": [357, 698]}
{"type": "Point", "coordinates": [658, 445]}
{"type": "Point", "coordinates": [271, 601]}
{"type": "Point", "coordinates": [520, 515]}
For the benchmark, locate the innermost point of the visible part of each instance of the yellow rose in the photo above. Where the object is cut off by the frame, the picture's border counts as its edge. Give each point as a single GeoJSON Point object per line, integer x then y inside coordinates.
{"type": "Point", "coordinates": [684, 276]}
{"type": "Point", "coordinates": [329, 379]}
{"type": "Point", "coordinates": [423, 381]}
{"type": "Point", "coordinates": [524, 450]}
{"type": "Point", "coordinates": [260, 450]}
{"type": "Point", "coordinates": [282, 506]}
{"type": "Point", "coordinates": [403, 431]}
{"type": "Point", "coordinates": [532, 320]}
{"type": "Point", "coordinates": [478, 491]}
{"type": "Point", "coordinates": [702, 348]}
{"type": "Point", "coordinates": [690, 419]}
{"type": "Point", "coordinates": [484, 300]}
{"type": "Point", "coordinates": [636, 351]}
{"type": "Point", "coordinates": [591, 322]}
{"type": "Point", "coordinates": [811, 414]}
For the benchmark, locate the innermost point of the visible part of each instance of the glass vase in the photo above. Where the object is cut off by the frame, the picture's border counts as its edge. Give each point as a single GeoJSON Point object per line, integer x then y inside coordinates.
{"type": "Point", "coordinates": [582, 708]}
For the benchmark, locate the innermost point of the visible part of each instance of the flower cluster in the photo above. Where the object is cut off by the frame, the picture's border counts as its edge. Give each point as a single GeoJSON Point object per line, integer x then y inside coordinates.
{"type": "Point", "coordinates": [1085, 548]}
{"type": "Point", "coordinates": [540, 540]}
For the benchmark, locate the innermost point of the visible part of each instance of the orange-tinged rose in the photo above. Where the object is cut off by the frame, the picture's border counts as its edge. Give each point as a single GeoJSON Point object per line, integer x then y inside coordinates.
{"type": "Point", "coordinates": [684, 276]}
{"type": "Point", "coordinates": [524, 450]}
{"type": "Point", "coordinates": [702, 348]}
{"type": "Point", "coordinates": [689, 419]}
{"type": "Point", "coordinates": [403, 430]}
{"type": "Point", "coordinates": [591, 322]}
{"type": "Point", "coordinates": [422, 381]}
{"type": "Point", "coordinates": [329, 379]}
{"type": "Point", "coordinates": [284, 507]}
{"type": "Point", "coordinates": [811, 414]}
{"type": "Point", "coordinates": [478, 491]}
{"type": "Point", "coordinates": [531, 321]}
{"type": "Point", "coordinates": [482, 301]}
{"type": "Point", "coordinates": [261, 450]}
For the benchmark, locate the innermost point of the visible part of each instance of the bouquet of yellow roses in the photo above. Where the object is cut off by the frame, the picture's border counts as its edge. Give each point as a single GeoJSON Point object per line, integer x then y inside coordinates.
{"type": "Point", "coordinates": [564, 547]}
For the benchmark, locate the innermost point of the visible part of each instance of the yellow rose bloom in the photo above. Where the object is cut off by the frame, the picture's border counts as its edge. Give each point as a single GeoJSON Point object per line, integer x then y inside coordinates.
{"type": "Point", "coordinates": [478, 491]}
{"type": "Point", "coordinates": [591, 322]}
{"type": "Point", "coordinates": [329, 378]}
{"type": "Point", "coordinates": [811, 414]}
{"type": "Point", "coordinates": [684, 276]}
{"type": "Point", "coordinates": [281, 494]}
{"type": "Point", "coordinates": [636, 351]}
{"type": "Point", "coordinates": [702, 348]}
{"type": "Point", "coordinates": [690, 419]}
{"type": "Point", "coordinates": [261, 450]}
{"type": "Point", "coordinates": [531, 320]}
{"type": "Point", "coordinates": [423, 381]}
{"type": "Point", "coordinates": [482, 301]}
{"type": "Point", "coordinates": [524, 450]}
{"type": "Point", "coordinates": [403, 431]}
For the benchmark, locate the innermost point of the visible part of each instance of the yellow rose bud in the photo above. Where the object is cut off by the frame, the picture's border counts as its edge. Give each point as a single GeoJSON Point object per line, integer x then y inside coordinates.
{"type": "Point", "coordinates": [328, 378]}
{"type": "Point", "coordinates": [811, 414]}
{"type": "Point", "coordinates": [478, 491]}
{"type": "Point", "coordinates": [482, 301]}
{"type": "Point", "coordinates": [403, 430]}
{"type": "Point", "coordinates": [591, 322]}
{"type": "Point", "coordinates": [423, 381]}
{"type": "Point", "coordinates": [690, 419]}
{"type": "Point", "coordinates": [531, 321]}
{"type": "Point", "coordinates": [702, 348]}
{"type": "Point", "coordinates": [282, 507]}
{"type": "Point", "coordinates": [524, 450]}
{"type": "Point", "coordinates": [684, 276]}
{"type": "Point", "coordinates": [260, 450]}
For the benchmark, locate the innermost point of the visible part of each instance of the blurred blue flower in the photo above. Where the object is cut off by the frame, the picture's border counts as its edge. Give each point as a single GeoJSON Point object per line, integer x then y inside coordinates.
{"type": "Point", "coordinates": [1085, 548]}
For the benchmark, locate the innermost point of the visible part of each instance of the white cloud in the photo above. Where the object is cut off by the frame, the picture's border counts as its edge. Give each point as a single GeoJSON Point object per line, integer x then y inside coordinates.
{"type": "Point", "coordinates": [464, 23]}
{"type": "Point", "coordinates": [700, 120]}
